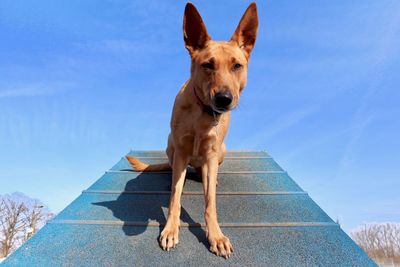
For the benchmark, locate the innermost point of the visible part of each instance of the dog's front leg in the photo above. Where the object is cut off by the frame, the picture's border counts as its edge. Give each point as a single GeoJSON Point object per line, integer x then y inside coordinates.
{"type": "Point", "coordinates": [219, 243]}
{"type": "Point", "coordinates": [169, 237]}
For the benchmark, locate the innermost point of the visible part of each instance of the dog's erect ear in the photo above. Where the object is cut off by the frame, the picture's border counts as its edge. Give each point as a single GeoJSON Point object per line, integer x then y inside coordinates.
{"type": "Point", "coordinates": [246, 32]}
{"type": "Point", "coordinates": [194, 31]}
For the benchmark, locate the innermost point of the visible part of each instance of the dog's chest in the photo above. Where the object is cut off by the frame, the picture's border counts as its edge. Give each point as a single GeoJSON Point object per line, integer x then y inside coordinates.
{"type": "Point", "coordinates": [196, 161]}
{"type": "Point", "coordinates": [198, 146]}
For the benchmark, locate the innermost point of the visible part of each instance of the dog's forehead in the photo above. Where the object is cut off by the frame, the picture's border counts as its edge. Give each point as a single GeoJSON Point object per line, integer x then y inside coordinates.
{"type": "Point", "coordinates": [219, 50]}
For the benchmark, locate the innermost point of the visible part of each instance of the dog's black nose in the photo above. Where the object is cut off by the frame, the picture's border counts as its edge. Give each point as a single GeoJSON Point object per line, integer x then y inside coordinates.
{"type": "Point", "coordinates": [222, 99]}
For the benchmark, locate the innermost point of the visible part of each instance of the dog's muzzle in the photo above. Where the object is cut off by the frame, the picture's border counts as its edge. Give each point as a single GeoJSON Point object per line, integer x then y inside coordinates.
{"type": "Point", "coordinates": [222, 101]}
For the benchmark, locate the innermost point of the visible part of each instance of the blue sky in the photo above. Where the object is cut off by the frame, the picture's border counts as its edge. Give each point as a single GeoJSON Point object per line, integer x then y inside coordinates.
{"type": "Point", "coordinates": [83, 82]}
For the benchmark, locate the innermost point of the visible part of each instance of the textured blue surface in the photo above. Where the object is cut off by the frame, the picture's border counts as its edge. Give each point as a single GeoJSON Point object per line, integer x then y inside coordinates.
{"type": "Point", "coordinates": [238, 208]}
{"type": "Point", "coordinates": [229, 165]}
{"type": "Point", "coordinates": [270, 220]}
{"type": "Point", "coordinates": [99, 245]}
{"type": "Point", "coordinates": [229, 182]}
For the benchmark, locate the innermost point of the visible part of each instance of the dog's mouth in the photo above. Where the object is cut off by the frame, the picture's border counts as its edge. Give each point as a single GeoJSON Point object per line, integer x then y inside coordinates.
{"type": "Point", "coordinates": [221, 109]}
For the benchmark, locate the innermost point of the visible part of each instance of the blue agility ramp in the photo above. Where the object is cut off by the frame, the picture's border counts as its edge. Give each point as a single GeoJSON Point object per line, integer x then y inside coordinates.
{"type": "Point", "coordinates": [270, 220]}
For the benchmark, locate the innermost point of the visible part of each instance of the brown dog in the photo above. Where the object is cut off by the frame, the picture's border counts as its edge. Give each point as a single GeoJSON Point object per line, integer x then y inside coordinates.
{"type": "Point", "coordinates": [200, 118]}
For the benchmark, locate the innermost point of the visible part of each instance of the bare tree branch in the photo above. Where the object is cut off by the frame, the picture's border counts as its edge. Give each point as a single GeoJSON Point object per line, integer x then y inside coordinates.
{"type": "Point", "coordinates": [18, 222]}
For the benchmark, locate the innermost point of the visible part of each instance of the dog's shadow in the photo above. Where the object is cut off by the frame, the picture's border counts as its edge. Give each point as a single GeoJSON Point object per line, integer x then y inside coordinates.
{"type": "Point", "coordinates": [137, 210]}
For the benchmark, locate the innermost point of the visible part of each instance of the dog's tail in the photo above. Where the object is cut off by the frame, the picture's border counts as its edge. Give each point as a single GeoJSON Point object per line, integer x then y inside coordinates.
{"type": "Point", "coordinates": [143, 167]}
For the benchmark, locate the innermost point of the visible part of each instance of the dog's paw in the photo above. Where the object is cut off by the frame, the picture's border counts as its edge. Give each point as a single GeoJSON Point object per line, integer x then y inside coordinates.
{"type": "Point", "coordinates": [169, 237]}
{"type": "Point", "coordinates": [221, 246]}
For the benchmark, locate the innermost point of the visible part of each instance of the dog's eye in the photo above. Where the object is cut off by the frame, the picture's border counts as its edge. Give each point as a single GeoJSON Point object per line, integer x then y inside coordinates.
{"type": "Point", "coordinates": [237, 66]}
{"type": "Point", "coordinates": [208, 66]}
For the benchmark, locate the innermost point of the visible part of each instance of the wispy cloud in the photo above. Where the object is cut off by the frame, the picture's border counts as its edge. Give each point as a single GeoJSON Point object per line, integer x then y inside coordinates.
{"type": "Point", "coordinates": [382, 208]}
{"type": "Point", "coordinates": [33, 89]}
{"type": "Point", "coordinates": [313, 143]}
{"type": "Point", "coordinates": [281, 124]}
{"type": "Point", "coordinates": [356, 133]}
{"type": "Point", "coordinates": [363, 115]}
{"type": "Point", "coordinates": [126, 46]}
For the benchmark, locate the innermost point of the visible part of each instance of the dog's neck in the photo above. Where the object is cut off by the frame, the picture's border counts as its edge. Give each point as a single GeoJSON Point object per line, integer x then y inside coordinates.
{"type": "Point", "coordinates": [206, 108]}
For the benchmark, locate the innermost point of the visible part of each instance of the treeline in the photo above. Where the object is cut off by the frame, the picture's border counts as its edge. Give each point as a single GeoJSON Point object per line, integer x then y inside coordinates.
{"type": "Point", "coordinates": [380, 241]}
